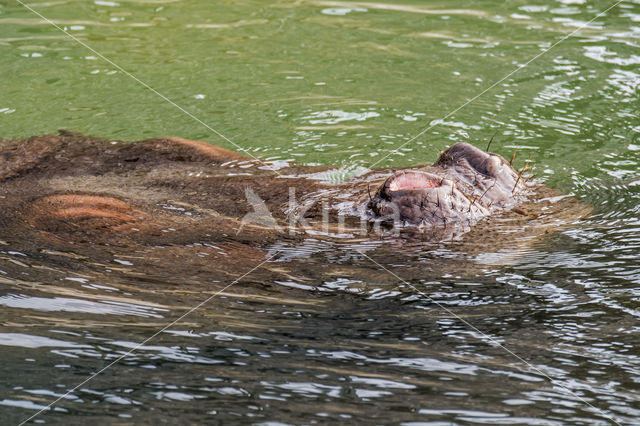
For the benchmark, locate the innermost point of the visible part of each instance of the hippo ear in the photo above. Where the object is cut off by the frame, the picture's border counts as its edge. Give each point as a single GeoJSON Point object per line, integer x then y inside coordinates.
{"type": "Point", "coordinates": [180, 149]}
{"type": "Point", "coordinates": [17, 157]}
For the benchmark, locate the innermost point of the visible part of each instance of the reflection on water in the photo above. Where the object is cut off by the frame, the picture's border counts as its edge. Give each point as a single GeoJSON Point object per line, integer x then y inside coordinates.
{"type": "Point", "coordinates": [330, 336]}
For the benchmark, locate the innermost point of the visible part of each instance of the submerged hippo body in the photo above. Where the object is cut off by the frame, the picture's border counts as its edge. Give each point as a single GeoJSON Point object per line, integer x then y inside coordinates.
{"type": "Point", "coordinates": [194, 207]}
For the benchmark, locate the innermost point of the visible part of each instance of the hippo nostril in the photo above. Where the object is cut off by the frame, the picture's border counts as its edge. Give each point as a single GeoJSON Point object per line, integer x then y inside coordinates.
{"type": "Point", "coordinates": [413, 180]}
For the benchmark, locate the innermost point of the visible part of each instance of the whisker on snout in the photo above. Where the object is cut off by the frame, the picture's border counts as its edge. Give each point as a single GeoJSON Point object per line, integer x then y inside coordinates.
{"type": "Point", "coordinates": [491, 140]}
{"type": "Point", "coordinates": [520, 175]}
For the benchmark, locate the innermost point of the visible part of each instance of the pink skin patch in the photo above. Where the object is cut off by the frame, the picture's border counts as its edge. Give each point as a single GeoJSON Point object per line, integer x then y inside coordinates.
{"type": "Point", "coordinates": [407, 181]}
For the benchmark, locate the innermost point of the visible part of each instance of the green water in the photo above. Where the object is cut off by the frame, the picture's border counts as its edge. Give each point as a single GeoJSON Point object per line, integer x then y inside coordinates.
{"type": "Point", "coordinates": [326, 84]}
{"type": "Point", "coordinates": [354, 84]}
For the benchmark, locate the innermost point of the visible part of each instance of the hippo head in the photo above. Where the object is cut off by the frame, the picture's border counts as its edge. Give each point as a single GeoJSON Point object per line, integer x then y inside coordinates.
{"type": "Point", "coordinates": [463, 186]}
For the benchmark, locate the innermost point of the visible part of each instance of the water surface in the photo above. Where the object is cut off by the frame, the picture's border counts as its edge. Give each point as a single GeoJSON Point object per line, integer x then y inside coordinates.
{"type": "Point", "coordinates": [346, 84]}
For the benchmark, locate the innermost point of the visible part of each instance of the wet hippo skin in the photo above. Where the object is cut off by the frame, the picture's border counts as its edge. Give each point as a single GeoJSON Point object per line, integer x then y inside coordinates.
{"type": "Point", "coordinates": [173, 198]}
{"type": "Point", "coordinates": [463, 186]}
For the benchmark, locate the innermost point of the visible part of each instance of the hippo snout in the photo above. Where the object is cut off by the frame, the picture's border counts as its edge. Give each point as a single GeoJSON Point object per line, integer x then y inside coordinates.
{"type": "Point", "coordinates": [462, 186]}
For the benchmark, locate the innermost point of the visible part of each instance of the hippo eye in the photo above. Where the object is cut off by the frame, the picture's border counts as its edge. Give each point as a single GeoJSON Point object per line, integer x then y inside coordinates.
{"type": "Point", "coordinates": [412, 180]}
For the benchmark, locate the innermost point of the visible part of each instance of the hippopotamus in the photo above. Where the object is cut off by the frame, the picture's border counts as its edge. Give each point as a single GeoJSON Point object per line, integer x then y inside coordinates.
{"type": "Point", "coordinates": [463, 186]}
{"type": "Point", "coordinates": [184, 205]}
